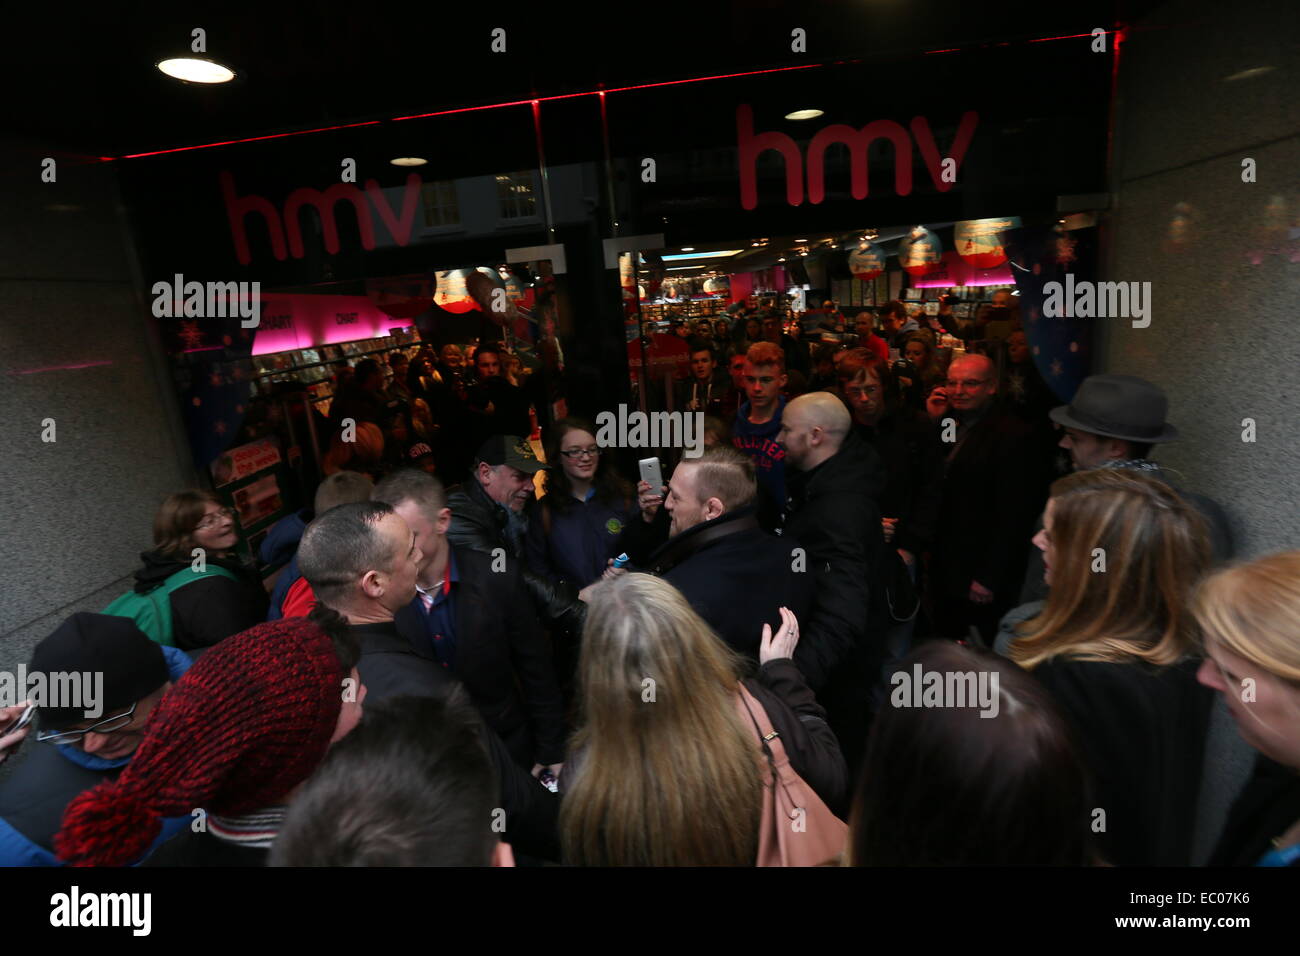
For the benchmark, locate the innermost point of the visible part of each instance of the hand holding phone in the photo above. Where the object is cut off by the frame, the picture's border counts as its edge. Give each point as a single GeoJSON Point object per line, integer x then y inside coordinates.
{"type": "Point", "coordinates": [14, 730]}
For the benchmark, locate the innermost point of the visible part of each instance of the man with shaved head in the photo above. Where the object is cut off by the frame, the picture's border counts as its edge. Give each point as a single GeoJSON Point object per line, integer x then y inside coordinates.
{"type": "Point", "coordinates": [994, 487]}
{"type": "Point", "coordinates": [834, 478]}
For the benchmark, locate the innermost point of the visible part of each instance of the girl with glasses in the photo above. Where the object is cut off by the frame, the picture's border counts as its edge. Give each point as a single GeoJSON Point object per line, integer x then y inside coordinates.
{"type": "Point", "coordinates": [208, 599]}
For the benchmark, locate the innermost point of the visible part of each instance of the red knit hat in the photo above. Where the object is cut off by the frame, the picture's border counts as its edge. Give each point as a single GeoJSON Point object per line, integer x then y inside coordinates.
{"type": "Point", "coordinates": [244, 726]}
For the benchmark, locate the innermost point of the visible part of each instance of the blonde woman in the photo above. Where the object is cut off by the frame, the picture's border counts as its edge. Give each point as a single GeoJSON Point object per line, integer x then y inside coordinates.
{"type": "Point", "coordinates": [1113, 645]}
{"type": "Point", "coordinates": [1250, 623]}
{"type": "Point", "coordinates": [662, 771]}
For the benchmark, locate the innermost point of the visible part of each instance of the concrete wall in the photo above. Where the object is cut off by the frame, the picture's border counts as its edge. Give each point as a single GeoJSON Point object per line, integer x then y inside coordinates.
{"type": "Point", "coordinates": [1223, 340]}
{"type": "Point", "coordinates": [75, 348]}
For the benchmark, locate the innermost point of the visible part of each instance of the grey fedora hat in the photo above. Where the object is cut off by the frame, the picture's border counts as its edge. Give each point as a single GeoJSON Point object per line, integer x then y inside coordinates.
{"type": "Point", "coordinates": [1118, 406]}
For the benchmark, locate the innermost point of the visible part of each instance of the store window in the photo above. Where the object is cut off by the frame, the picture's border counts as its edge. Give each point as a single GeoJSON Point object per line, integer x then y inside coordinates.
{"type": "Point", "coordinates": [441, 207]}
{"type": "Point", "coordinates": [517, 195]}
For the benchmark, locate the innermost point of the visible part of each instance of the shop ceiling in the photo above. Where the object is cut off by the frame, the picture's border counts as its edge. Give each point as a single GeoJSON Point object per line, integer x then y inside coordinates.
{"type": "Point", "coordinates": [83, 81]}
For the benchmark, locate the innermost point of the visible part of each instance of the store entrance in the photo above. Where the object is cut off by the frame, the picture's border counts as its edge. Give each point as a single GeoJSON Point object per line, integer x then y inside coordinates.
{"type": "Point", "coordinates": [693, 311]}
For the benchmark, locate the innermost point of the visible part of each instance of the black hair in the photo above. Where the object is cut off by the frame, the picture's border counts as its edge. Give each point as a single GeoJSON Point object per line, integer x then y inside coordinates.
{"type": "Point", "coordinates": [611, 487]}
{"type": "Point", "coordinates": [346, 646]}
{"type": "Point", "coordinates": [945, 786]}
{"type": "Point", "coordinates": [696, 344]}
{"type": "Point", "coordinates": [412, 785]}
{"type": "Point", "coordinates": [340, 546]}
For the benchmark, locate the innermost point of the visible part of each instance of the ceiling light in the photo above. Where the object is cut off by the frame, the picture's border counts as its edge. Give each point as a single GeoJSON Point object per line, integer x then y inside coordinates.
{"type": "Point", "coordinates": [804, 114]}
{"type": "Point", "coordinates": [755, 244]}
{"type": "Point", "coordinates": [801, 240]}
{"type": "Point", "coordinates": [804, 253]}
{"type": "Point", "coordinates": [717, 254]}
{"type": "Point", "coordinates": [408, 161]}
{"type": "Point", "coordinates": [688, 248]}
{"type": "Point", "coordinates": [782, 259]}
{"type": "Point", "coordinates": [195, 70]}
{"type": "Point", "coordinates": [1247, 74]}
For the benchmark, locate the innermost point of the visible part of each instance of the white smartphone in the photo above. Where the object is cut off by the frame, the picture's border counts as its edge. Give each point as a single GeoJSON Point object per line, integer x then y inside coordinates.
{"type": "Point", "coordinates": [652, 473]}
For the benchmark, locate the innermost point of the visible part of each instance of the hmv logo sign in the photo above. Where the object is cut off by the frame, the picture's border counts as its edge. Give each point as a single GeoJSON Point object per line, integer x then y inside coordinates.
{"type": "Point", "coordinates": [284, 227]}
{"type": "Point", "coordinates": [942, 166]}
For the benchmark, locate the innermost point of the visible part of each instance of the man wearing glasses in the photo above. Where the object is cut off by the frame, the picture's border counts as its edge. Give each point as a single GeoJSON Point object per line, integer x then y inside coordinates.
{"type": "Point", "coordinates": [993, 489]}
{"type": "Point", "coordinates": [73, 753]}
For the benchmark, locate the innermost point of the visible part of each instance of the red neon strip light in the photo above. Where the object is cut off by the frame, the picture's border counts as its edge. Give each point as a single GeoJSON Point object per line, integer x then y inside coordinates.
{"type": "Point", "coordinates": [617, 89]}
{"type": "Point", "coordinates": [1072, 36]}
{"type": "Point", "coordinates": [62, 368]}
{"type": "Point", "coordinates": [250, 139]}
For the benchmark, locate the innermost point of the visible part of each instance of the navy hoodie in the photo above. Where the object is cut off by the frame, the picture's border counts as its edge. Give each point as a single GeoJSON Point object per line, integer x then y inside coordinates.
{"type": "Point", "coordinates": [759, 443]}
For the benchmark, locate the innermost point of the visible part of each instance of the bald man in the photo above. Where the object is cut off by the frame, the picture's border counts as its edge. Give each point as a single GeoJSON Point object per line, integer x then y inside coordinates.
{"type": "Point", "coordinates": [834, 479]}
{"type": "Point", "coordinates": [994, 487]}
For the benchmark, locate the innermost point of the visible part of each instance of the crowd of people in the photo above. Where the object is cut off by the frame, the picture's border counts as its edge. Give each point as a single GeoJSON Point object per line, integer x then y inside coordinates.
{"type": "Point", "coordinates": [715, 671]}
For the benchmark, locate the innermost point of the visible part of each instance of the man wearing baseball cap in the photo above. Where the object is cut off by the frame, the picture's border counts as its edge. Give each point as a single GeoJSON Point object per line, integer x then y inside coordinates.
{"type": "Point", "coordinates": [1115, 421]}
{"type": "Point", "coordinates": [74, 752]}
{"type": "Point", "coordinates": [492, 510]}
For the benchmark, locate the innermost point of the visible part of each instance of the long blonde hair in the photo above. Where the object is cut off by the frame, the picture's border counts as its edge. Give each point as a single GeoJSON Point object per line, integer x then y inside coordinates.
{"type": "Point", "coordinates": [666, 773]}
{"type": "Point", "coordinates": [1155, 550]}
{"type": "Point", "coordinates": [1253, 610]}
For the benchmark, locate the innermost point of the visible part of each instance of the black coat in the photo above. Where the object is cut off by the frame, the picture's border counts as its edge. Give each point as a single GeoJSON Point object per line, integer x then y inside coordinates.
{"type": "Point", "coordinates": [912, 457]}
{"type": "Point", "coordinates": [832, 513]}
{"type": "Point", "coordinates": [1267, 807]}
{"type": "Point", "coordinates": [479, 524]}
{"type": "Point", "coordinates": [502, 656]}
{"type": "Point", "coordinates": [210, 609]}
{"type": "Point", "coordinates": [1142, 731]}
{"type": "Point", "coordinates": [808, 739]}
{"type": "Point", "coordinates": [735, 576]}
{"type": "Point", "coordinates": [392, 665]}
{"type": "Point", "coordinates": [994, 488]}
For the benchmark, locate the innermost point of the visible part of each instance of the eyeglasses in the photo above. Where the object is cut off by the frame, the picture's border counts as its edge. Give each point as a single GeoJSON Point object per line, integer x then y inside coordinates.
{"type": "Point", "coordinates": [571, 453]}
{"type": "Point", "coordinates": [214, 519]}
{"type": "Point", "coordinates": [109, 725]}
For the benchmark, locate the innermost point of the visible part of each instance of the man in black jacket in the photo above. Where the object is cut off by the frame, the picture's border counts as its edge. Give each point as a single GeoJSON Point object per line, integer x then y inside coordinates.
{"type": "Point", "coordinates": [834, 479]}
{"type": "Point", "coordinates": [733, 573]}
{"type": "Point", "coordinates": [490, 515]}
{"type": "Point", "coordinates": [832, 512]}
{"type": "Point", "coordinates": [480, 625]}
{"type": "Point", "coordinates": [994, 487]}
{"type": "Point", "coordinates": [362, 562]}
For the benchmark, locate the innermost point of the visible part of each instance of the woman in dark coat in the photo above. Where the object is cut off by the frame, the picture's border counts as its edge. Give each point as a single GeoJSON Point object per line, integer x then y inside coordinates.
{"type": "Point", "coordinates": [1114, 643]}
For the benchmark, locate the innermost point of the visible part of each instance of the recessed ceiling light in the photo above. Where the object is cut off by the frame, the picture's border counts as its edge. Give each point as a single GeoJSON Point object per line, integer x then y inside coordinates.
{"type": "Point", "coordinates": [782, 259]}
{"type": "Point", "coordinates": [1247, 74]}
{"type": "Point", "coordinates": [755, 244]}
{"type": "Point", "coordinates": [195, 70]}
{"type": "Point", "coordinates": [804, 253]}
{"type": "Point", "coordinates": [804, 114]}
{"type": "Point", "coordinates": [688, 248]}
{"type": "Point", "coordinates": [801, 240]}
{"type": "Point", "coordinates": [407, 161]}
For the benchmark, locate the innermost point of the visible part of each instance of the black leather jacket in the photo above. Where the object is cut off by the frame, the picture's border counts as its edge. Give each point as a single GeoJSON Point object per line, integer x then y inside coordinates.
{"type": "Point", "coordinates": [479, 524]}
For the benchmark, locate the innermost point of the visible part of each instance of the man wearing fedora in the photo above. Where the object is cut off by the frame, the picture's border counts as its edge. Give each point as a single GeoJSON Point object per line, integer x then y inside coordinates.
{"type": "Point", "coordinates": [1114, 422]}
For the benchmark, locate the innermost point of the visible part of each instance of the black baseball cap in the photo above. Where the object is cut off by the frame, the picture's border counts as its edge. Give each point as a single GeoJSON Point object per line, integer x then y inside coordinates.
{"type": "Point", "coordinates": [510, 450]}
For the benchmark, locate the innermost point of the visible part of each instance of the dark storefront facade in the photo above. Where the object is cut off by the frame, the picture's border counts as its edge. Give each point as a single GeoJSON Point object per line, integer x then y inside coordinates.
{"type": "Point", "coordinates": [379, 254]}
